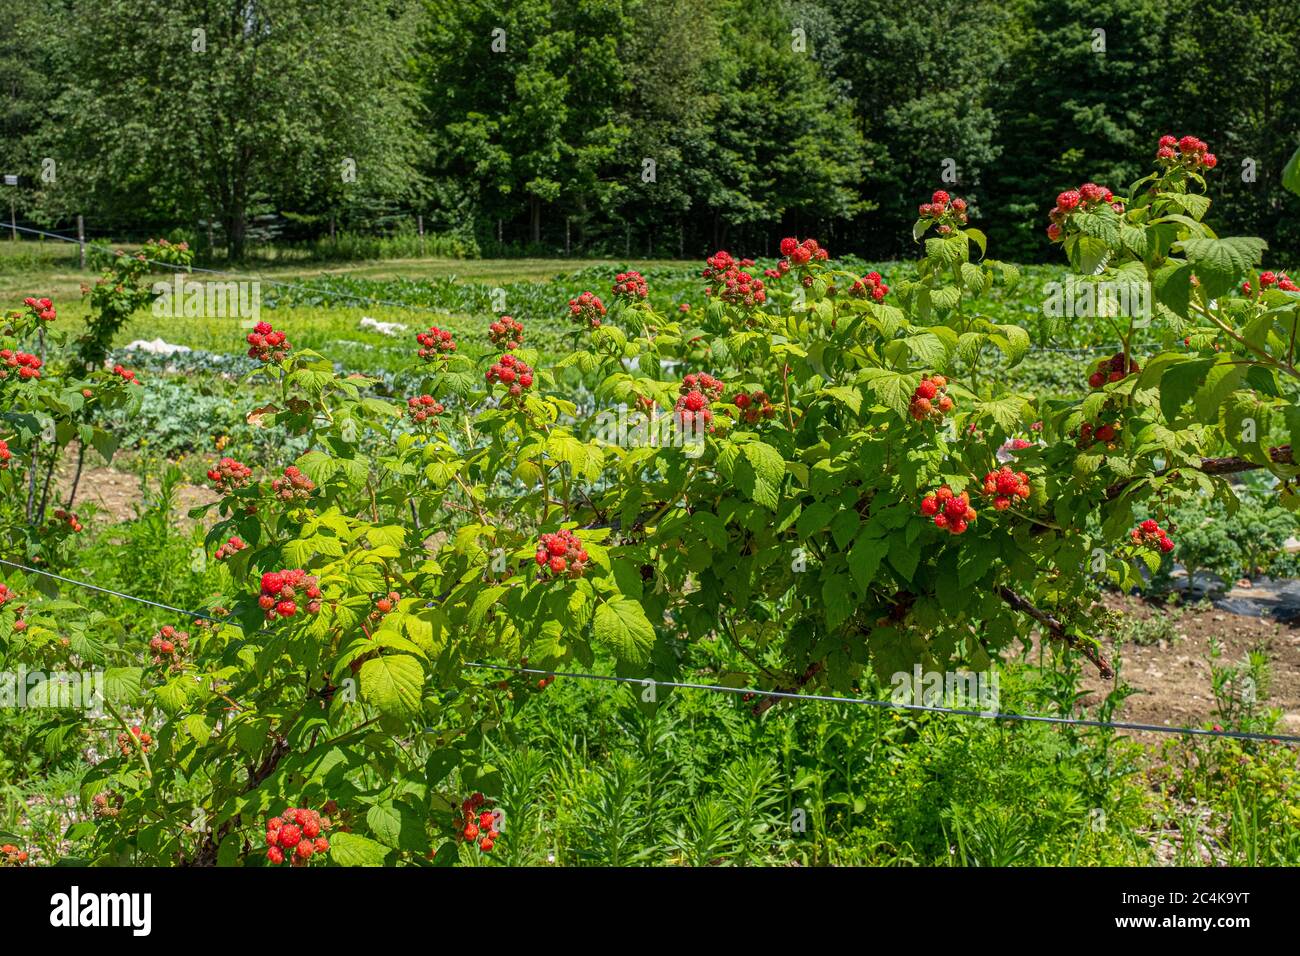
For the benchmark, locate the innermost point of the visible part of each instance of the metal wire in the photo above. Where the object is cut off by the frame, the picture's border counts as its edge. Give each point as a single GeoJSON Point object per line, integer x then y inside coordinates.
{"type": "Point", "coordinates": [755, 691]}
{"type": "Point", "coordinates": [95, 587]}
{"type": "Point", "coordinates": [928, 708]}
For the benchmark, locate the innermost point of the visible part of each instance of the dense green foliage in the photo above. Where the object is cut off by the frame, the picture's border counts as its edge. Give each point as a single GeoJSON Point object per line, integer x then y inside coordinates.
{"type": "Point", "coordinates": [531, 122]}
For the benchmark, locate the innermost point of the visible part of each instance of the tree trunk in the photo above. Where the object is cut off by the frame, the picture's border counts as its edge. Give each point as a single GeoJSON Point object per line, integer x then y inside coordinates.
{"type": "Point", "coordinates": [537, 220]}
{"type": "Point", "coordinates": [236, 230]}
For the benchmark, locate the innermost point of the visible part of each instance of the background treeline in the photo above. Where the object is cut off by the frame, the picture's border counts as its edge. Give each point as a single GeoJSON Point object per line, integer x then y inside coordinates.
{"type": "Point", "coordinates": [633, 127]}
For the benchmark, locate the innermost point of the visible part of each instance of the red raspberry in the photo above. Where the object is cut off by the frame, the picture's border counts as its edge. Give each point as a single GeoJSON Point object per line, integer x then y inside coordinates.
{"type": "Point", "coordinates": [290, 835]}
{"type": "Point", "coordinates": [927, 389]}
{"type": "Point", "coordinates": [436, 344]}
{"type": "Point", "coordinates": [275, 855]}
{"type": "Point", "coordinates": [1067, 200]}
{"type": "Point", "coordinates": [940, 198]}
{"type": "Point", "coordinates": [587, 309]}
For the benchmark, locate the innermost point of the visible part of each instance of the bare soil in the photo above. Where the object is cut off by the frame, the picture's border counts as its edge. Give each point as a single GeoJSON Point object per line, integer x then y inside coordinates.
{"type": "Point", "coordinates": [1172, 674]}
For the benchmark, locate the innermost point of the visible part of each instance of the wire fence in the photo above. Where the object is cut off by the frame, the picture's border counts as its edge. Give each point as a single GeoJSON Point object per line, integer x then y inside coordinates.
{"type": "Point", "coordinates": [754, 692]}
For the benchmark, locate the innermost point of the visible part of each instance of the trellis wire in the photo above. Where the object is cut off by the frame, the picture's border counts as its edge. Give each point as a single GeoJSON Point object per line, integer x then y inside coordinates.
{"type": "Point", "coordinates": [648, 682]}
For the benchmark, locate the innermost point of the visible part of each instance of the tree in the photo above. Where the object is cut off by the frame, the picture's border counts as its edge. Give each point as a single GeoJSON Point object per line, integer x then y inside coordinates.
{"type": "Point", "coordinates": [1079, 103]}
{"type": "Point", "coordinates": [923, 75]}
{"type": "Point", "coordinates": [1239, 65]}
{"type": "Point", "coordinates": [206, 108]}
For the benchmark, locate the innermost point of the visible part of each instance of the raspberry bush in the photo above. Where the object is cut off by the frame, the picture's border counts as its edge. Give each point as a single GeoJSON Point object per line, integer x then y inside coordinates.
{"type": "Point", "coordinates": [871, 496]}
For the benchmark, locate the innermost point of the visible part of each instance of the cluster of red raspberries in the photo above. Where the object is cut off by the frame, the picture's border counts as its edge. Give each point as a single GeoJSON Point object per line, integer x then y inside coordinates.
{"type": "Point", "coordinates": [587, 309]}
{"type": "Point", "coordinates": [266, 344]}
{"type": "Point", "coordinates": [513, 373]}
{"type": "Point", "coordinates": [168, 645]}
{"type": "Point", "coordinates": [43, 309]}
{"type": "Point", "coordinates": [230, 475]}
{"type": "Point", "coordinates": [10, 855]}
{"type": "Point", "coordinates": [294, 486]}
{"type": "Point", "coordinates": [435, 344]}
{"type": "Point", "coordinates": [561, 553]}
{"type": "Point", "coordinates": [423, 407]}
{"type": "Point", "coordinates": [930, 399]}
{"type": "Point", "coordinates": [1150, 534]}
{"type": "Point", "coordinates": [729, 281]}
{"type": "Point", "coordinates": [870, 286]}
{"type": "Point", "coordinates": [1187, 151]}
{"type": "Point", "coordinates": [630, 285]}
{"type": "Point", "coordinates": [279, 588]}
{"type": "Point", "coordinates": [1112, 370]}
{"type": "Point", "coordinates": [478, 825]}
{"type": "Point", "coordinates": [231, 546]}
{"type": "Point", "coordinates": [506, 334]}
{"type": "Point", "coordinates": [125, 745]}
{"type": "Point", "coordinates": [28, 365]}
{"type": "Point", "coordinates": [950, 511]}
{"type": "Point", "coordinates": [698, 390]}
{"type": "Point", "coordinates": [1006, 485]}
{"type": "Point", "coordinates": [949, 211]}
{"type": "Point", "coordinates": [754, 406]}
{"type": "Point", "coordinates": [296, 835]}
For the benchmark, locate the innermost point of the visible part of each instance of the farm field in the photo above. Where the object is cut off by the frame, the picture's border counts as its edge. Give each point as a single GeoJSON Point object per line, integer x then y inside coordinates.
{"type": "Point", "coordinates": [601, 442]}
{"type": "Point", "coordinates": [587, 772]}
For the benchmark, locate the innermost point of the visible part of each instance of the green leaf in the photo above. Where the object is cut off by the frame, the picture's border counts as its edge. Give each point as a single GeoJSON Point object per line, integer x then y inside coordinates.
{"type": "Point", "coordinates": [1179, 383]}
{"type": "Point", "coordinates": [850, 396]}
{"type": "Point", "coordinates": [1014, 342]}
{"type": "Point", "coordinates": [837, 598]}
{"type": "Point", "coordinates": [393, 683]}
{"type": "Point", "coordinates": [396, 825]}
{"type": "Point", "coordinates": [865, 557]}
{"type": "Point", "coordinates": [317, 466]}
{"type": "Point", "coordinates": [1220, 264]}
{"type": "Point", "coordinates": [1195, 204]}
{"type": "Point", "coordinates": [928, 349]}
{"type": "Point", "coordinates": [1291, 173]}
{"type": "Point", "coordinates": [351, 849]}
{"type": "Point", "coordinates": [122, 684]}
{"type": "Point", "coordinates": [757, 469]}
{"type": "Point", "coordinates": [892, 389]}
{"type": "Point", "coordinates": [622, 626]}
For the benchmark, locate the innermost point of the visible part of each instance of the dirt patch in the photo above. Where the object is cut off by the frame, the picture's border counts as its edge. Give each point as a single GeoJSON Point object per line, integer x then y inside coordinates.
{"type": "Point", "coordinates": [1166, 659]}
{"type": "Point", "coordinates": [116, 495]}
